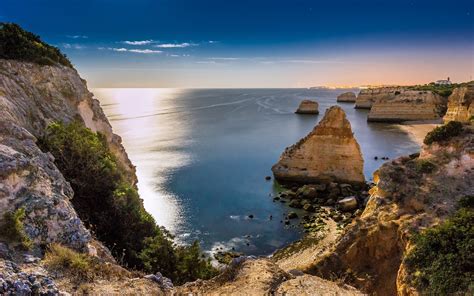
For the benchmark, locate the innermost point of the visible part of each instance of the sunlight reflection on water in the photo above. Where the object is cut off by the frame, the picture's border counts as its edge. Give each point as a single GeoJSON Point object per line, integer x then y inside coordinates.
{"type": "Point", "coordinates": [147, 140]}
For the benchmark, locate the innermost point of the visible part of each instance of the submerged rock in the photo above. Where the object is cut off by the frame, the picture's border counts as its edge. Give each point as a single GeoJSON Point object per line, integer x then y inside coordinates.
{"type": "Point", "coordinates": [329, 153]}
{"type": "Point", "coordinates": [349, 97]}
{"type": "Point", "coordinates": [308, 107]}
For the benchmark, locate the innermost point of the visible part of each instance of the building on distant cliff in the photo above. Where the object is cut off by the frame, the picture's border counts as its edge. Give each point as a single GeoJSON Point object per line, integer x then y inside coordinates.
{"type": "Point", "coordinates": [443, 82]}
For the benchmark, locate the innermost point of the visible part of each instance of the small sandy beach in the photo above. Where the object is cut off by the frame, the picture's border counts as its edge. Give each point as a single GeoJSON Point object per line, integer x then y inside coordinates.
{"type": "Point", "coordinates": [417, 130]}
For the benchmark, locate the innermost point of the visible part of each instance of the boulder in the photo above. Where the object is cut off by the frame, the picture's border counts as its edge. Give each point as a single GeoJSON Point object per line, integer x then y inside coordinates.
{"type": "Point", "coordinates": [348, 203]}
{"type": "Point", "coordinates": [328, 153]}
{"type": "Point", "coordinates": [292, 215]}
{"type": "Point", "coordinates": [308, 107]}
{"type": "Point", "coordinates": [349, 97]}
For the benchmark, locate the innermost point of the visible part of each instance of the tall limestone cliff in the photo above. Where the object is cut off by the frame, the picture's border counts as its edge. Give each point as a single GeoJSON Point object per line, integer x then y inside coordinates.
{"type": "Point", "coordinates": [412, 193]}
{"type": "Point", "coordinates": [31, 97]}
{"type": "Point", "coordinates": [406, 105]}
{"type": "Point", "coordinates": [367, 97]}
{"type": "Point", "coordinates": [329, 153]}
{"type": "Point", "coordinates": [461, 104]}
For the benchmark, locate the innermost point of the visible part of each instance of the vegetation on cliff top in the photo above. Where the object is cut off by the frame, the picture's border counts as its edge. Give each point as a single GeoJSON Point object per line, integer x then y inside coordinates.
{"type": "Point", "coordinates": [442, 260]}
{"type": "Point", "coordinates": [444, 90]}
{"type": "Point", "coordinates": [444, 132]}
{"type": "Point", "coordinates": [18, 44]}
{"type": "Point", "coordinates": [112, 209]}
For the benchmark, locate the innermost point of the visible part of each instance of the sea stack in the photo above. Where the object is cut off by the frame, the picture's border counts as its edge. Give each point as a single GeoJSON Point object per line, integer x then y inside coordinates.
{"type": "Point", "coordinates": [461, 104]}
{"type": "Point", "coordinates": [347, 97]}
{"type": "Point", "coordinates": [329, 153]}
{"type": "Point", "coordinates": [308, 107]}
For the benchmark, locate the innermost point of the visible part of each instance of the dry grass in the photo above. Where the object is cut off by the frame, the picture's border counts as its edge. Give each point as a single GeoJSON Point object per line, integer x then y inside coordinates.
{"type": "Point", "coordinates": [80, 267]}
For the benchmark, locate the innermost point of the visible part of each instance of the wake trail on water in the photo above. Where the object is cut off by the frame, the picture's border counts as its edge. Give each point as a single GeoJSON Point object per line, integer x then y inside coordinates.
{"type": "Point", "coordinates": [257, 101]}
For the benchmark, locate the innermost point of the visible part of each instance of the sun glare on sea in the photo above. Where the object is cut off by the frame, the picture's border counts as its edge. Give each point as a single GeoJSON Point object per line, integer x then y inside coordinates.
{"type": "Point", "coordinates": [149, 123]}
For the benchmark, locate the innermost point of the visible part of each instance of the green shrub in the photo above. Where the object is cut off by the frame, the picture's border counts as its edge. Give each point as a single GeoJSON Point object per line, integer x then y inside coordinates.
{"type": "Point", "coordinates": [444, 132]}
{"type": "Point", "coordinates": [442, 260]}
{"type": "Point", "coordinates": [424, 166]}
{"type": "Point", "coordinates": [18, 44]}
{"type": "Point", "coordinates": [80, 267]}
{"type": "Point", "coordinates": [60, 258]}
{"type": "Point", "coordinates": [111, 207]}
{"type": "Point", "coordinates": [12, 228]}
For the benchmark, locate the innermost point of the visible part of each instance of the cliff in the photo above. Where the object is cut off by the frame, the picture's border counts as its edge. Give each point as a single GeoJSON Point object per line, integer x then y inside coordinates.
{"type": "Point", "coordinates": [412, 193]}
{"type": "Point", "coordinates": [348, 97]}
{"type": "Point", "coordinates": [461, 104]}
{"type": "Point", "coordinates": [367, 97]}
{"type": "Point", "coordinates": [406, 105]}
{"type": "Point", "coordinates": [329, 153]}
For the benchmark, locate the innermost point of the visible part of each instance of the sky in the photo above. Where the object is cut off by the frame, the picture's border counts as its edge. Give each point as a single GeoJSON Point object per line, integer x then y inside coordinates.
{"type": "Point", "coordinates": [266, 43]}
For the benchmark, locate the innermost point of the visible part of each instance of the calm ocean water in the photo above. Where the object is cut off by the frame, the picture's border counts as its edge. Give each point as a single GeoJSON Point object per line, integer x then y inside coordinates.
{"type": "Point", "coordinates": [202, 156]}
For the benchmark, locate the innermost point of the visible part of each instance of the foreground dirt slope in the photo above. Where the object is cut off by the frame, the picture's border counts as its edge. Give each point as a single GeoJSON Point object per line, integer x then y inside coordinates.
{"type": "Point", "coordinates": [263, 277]}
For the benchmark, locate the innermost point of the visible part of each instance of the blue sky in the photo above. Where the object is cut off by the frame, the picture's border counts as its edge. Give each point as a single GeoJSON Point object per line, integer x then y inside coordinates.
{"type": "Point", "coordinates": [190, 43]}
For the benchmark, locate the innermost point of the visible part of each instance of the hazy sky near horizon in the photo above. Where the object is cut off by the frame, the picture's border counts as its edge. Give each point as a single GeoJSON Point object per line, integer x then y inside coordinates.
{"type": "Point", "coordinates": [267, 43]}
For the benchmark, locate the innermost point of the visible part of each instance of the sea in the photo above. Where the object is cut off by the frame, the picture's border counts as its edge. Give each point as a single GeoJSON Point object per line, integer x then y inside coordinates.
{"type": "Point", "coordinates": [202, 156]}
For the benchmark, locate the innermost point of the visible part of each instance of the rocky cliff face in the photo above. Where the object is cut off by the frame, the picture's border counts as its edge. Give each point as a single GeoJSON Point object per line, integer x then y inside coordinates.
{"type": "Point", "coordinates": [367, 97]}
{"type": "Point", "coordinates": [406, 199]}
{"type": "Point", "coordinates": [31, 97]}
{"type": "Point", "coordinates": [349, 97]}
{"type": "Point", "coordinates": [461, 104]}
{"type": "Point", "coordinates": [329, 153]}
{"type": "Point", "coordinates": [406, 105]}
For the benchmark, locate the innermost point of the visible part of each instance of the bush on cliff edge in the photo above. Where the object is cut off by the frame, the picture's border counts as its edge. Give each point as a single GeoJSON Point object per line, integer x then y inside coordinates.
{"type": "Point", "coordinates": [444, 132]}
{"type": "Point", "coordinates": [442, 260]}
{"type": "Point", "coordinates": [112, 209]}
{"type": "Point", "coordinates": [18, 44]}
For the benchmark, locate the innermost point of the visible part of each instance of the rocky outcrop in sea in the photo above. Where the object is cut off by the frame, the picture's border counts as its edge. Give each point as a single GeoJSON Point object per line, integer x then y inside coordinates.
{"type": "Point", "coordinates": [308, 107]}
{"type": "Point", "coordinates": [329, 153]}
{"type": "Point", "coordinates": [348, 97]}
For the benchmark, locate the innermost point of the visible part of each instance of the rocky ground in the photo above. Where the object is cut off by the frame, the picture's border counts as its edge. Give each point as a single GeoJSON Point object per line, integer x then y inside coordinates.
{"type": "Point", "coordinates": [263, 277]}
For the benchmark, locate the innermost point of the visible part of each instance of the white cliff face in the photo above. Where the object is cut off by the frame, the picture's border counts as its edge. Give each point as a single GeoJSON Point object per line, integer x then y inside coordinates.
{"type": "Point", "coordinates": [329, 153]}
{"type": "Point", "coordinates": [31, 97]}
{"type": "Point", "coordinates": [461, 104]}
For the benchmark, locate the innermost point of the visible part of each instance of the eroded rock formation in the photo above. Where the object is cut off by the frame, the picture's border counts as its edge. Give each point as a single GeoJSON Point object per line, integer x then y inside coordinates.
{"type": "Point", "coordinates": [406, 105]}
{"type": "Point", "coordinates": [369, 255]}
{"type": "Point", "coordinates": [329, 153]}
{"type": "Point", "coordinates": [31, 97]}
{"type": "Point", "coordinates": [461, 104]}
{"type": "Point", "coordinates": [367, 97]}
{"type": "Point", "coordinates": [349, 97]}
{"type": "Point", "coordinates": [308, 107]}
